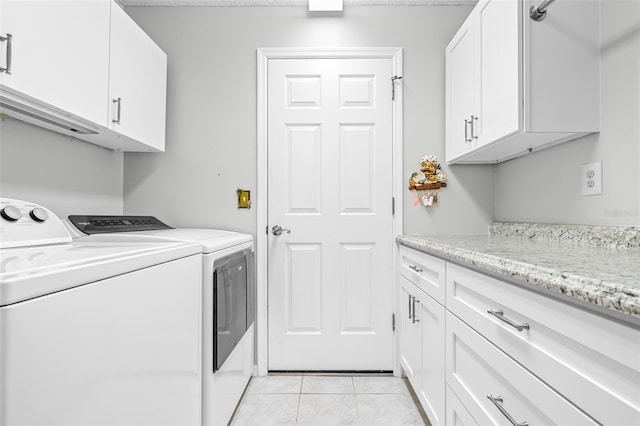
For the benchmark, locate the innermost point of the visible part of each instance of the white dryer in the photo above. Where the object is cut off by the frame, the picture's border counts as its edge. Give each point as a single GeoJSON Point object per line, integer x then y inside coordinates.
{"type": "Point", "coordinates": [228, 310]}
{"type": "Point", "coordinates": [95, 332]}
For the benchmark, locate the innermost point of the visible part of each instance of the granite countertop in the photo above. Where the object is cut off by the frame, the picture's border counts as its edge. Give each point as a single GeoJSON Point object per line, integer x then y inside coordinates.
{"type": "Point", "coordinates": [599, 265]}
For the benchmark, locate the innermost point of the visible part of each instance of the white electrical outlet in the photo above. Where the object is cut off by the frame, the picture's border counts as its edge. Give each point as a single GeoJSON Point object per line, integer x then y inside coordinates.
{"type": "Point", "coordinates": [591, 179]}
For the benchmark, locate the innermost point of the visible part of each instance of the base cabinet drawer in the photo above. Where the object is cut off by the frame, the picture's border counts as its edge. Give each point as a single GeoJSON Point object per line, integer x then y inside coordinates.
{"type": "Point", "coordinates": [497, 390]}
{"type": "Point", "coordinates": [592, 361]}
{"type": "Point", "coordinates": [425, 271]}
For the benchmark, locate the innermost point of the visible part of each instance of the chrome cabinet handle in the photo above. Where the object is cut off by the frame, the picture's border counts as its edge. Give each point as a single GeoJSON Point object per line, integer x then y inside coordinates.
{"type": "Point", "coordinates": [500, 315]}
{"type": "Point", "coordinates": [473, 118]}
{"type": "Point", "coordinates": [119, 102]}
{"type": "Point", "coordinates": [278, 230]}
{"type": "Point", "coordinates": [410, 297]}
{"type": "Point", "coordinates": [415, 268]}
{"type": "Point", "coordinates": [8, 37]}
{"type": "Point", "coordinates": [414, 320]}
{"type": "Point", "coordinates": [497, 401]}
{"type": "Point", "coordinates": [466, 133]}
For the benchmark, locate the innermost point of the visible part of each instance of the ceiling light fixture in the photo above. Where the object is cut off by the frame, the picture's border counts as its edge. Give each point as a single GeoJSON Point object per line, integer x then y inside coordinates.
{"type": "Point", "coordinates": [325, 5]}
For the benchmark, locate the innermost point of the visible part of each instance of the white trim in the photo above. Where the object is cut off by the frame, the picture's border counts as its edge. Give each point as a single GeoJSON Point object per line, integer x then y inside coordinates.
{"type": "Point", "coordinates": [269, 3]}
{"type": "Point", "coordinates": [261, 199]}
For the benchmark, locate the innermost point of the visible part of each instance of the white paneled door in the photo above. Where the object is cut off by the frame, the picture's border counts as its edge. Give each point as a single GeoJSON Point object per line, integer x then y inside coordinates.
{"type": "Point", "coordinates": [330, 294]}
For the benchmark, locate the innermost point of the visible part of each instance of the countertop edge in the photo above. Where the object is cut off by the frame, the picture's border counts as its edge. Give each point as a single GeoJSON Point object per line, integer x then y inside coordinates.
{"type": "Point", "coordinates": [620, 301]}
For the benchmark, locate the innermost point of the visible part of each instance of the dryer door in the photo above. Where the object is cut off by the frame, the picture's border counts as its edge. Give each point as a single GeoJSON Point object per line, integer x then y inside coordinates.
{"type": "Point", "coordinates": [230, 278]}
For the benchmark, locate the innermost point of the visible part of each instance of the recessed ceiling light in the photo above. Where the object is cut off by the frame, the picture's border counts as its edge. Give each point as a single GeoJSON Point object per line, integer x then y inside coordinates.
{"type": "Point", "coordinates": [325, 5]}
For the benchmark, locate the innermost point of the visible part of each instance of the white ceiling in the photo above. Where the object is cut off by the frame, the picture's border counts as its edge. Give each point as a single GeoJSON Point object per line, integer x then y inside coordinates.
{"type": "Point", "coordinates": [237, 3]}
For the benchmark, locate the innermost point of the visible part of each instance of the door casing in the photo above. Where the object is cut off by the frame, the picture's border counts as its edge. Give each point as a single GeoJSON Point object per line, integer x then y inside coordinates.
{"type": "Point", "coordinates": [262, 190]}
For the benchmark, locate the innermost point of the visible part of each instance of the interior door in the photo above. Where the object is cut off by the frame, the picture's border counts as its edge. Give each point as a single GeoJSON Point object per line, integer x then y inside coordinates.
{"type": "Point", "coordinates": [330, 187]}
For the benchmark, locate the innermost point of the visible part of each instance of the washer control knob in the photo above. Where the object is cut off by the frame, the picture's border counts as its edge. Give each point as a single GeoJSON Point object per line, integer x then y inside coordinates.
{"type": "Point", "coordinates": [39, 215]}
{"type": "Point", "coordinates": [11, 213]}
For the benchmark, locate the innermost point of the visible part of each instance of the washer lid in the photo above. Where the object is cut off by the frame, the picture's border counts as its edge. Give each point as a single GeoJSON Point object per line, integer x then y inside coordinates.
{"type": "Point", "coordinates": [31, 272]}
{"type": "Point", "coordinates": [211, 240]}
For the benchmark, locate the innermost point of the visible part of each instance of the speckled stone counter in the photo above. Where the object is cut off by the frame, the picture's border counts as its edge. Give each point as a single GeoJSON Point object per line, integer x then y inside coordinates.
{"type": "Point", "coordinates": [598, 265]}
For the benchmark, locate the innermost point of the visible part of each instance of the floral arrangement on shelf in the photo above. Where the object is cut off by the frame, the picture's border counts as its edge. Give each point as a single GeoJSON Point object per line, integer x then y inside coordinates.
{"type": "Point", "coordinates": [427, 180]}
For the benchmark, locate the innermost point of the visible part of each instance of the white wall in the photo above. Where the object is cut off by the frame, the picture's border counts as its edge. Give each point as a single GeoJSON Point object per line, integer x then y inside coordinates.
{"type": "Point", "coordinates": [211, 113]}
{"type": "Point", "coordinates": [211, 126]}
{"type": "Point", "coordinates": [545, 186]}
{"type": "Point", "coordinates": [65, 175]}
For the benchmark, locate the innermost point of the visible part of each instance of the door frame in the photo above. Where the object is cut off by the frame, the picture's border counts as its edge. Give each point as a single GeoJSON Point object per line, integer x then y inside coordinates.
{"type": "Point", "coordinates": [262, 190]}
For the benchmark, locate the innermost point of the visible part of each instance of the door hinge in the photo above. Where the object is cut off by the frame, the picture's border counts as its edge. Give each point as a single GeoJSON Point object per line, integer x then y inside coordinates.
{"type": "Point", "coordinates": [393, 322]}
{"type": "Point", "coordinates": [393, 206]}
{"type": "Point", "coordinates": [393, 86]}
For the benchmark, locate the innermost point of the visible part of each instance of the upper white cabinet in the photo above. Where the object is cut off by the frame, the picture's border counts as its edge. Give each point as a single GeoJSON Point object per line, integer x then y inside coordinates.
{"type": "Point", "coordinates": [63, 63]}
{"type": "Point", "coordinates": [137, 82]}
{"type": "Point", "coordinates": [57, 53]}
{"type": "Point", "coordinates": [514, 85]}
{"type": "Point", "coordinates": [460, 102]}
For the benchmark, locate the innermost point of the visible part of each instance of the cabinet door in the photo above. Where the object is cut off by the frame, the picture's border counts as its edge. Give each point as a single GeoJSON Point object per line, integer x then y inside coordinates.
{"type": "Point", "coordinates": [431, 317]}
{"type": "Point", "coordinates": [137, 83]}
{"type": "Point", "coordinates": [457, 414]}
{"type": "Point", "coordinates": [59, 54]}
{"type": "Point", "coordinates": [460, 90]}
{"type": "Point", "coordinates": [410, 336]}
{"type": "Point", "coordinates": [499, 33]}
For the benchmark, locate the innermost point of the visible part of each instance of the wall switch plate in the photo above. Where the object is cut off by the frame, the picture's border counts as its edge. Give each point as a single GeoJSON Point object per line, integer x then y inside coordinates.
{"type": "Point", "coordinates": [591, 178]}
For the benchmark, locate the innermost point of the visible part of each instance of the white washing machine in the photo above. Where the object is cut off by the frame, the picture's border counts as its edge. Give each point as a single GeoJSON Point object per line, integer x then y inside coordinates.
{"type": "Point", "coordinates": [228, 314]}
{"type": "Point", "coordinates": [95, 333]}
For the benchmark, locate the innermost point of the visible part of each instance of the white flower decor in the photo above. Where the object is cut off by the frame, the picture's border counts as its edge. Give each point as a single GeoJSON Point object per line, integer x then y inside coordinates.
{"type": "Point", "coordinates": [430, 158]}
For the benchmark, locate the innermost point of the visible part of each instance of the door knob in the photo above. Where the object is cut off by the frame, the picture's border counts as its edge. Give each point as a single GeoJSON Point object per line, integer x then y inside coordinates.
{"type": "Point", "coordinates": [278, 230]}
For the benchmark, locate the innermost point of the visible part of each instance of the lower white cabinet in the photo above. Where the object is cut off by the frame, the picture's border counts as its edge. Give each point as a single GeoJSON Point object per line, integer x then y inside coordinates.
{"type": "Point", "coordinates": [410, 339]}
{"type": "Point", "coordinates": [422, 349]}
{"type": "Point", "coordinates": [498, 353]}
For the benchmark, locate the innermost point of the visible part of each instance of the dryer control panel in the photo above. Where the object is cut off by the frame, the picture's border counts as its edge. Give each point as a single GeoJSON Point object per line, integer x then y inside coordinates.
{"type": "Point", "coordinates": [108, 224]}
{"type": "Point", "coordinates": [24, 224]}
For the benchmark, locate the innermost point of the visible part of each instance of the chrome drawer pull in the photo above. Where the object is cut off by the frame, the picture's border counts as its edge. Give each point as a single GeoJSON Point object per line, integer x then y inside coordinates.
{"type": "Point", "coordinates": [119, 110]}
{"type": "Point", "coordinates": [473, 117]}
{"type": "Point", "coordinates": [466, 133]}
{"type": "Point", "coordinates": [415, 268]}
{"type": "Point", "coordinates": [410, 296]}
{"type": "Point", "coordinates": [497, 401]}
{"type": "Point", "coordinates": [8, 37]}
{"type": "Point", "coordinates": [414, 320]}
{"type": "Point", "coordinates": [500, 315]}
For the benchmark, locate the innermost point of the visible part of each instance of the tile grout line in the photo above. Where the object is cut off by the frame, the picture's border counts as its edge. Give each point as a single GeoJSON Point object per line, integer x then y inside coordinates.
{"type": "Point", "coordinates": [298, 408]}
{"type": "Point", "coordinates": [355, 398]}
{"type": "Point", "coordinates": [299, 399]}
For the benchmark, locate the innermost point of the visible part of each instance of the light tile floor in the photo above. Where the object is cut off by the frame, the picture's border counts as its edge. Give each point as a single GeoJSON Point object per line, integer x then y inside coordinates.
{"type": "Point", "coordinates": [320, 400]}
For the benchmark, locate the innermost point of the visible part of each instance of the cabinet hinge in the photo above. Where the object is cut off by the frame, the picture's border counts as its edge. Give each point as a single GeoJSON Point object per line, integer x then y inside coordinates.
{"type": "Point", "coordinates": [393, 322]}
{"type": "Point", "coordinates": [393, 86]}
{"type": "Point", "coordinates": [393, 206]}
{"type": "Point", "coordinates": [266, 229]}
